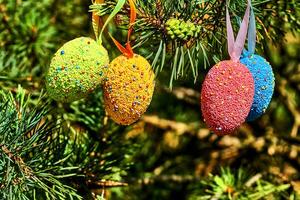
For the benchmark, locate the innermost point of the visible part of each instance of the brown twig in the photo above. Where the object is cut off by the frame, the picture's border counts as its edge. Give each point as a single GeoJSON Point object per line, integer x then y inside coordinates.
{"type": "Point", "coordinates": [178, 127]}
{"type": "Point", "coordinates": [291, 105]}
{"type": "Point", "coordinates": [188, 95]}
{"type": "Point", "coordinates": [19, 161]}
{"type": "Point", "coordinates": [168, 178]}
{"type": "Point", "coordinates": [105, 183]}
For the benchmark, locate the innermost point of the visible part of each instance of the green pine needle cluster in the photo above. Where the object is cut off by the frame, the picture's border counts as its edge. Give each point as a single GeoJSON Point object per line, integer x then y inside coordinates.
{"type": "Point", "coordinates": [27, 37]}
{"type": "Point", "coordinates": [240, 185]}
{"type": "Point", "coordinates": [44, 159]}
{"type": "Point", "coordinates": [27, 140]}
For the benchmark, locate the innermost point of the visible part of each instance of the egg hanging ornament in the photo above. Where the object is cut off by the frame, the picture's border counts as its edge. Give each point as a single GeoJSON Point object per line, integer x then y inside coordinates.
{"type": "Point", "coordinates": [129, 88]}
{"type": "Point", "coordinates": [228, 89]}
{"type": "Point", "coordinates": [262, 73]}
{"type": "Point", "coordinates": [130, 82]}
{"type": "Point", "coordinates": [80, 65]}
{"type": "Point", "coordinates": [76, 69]}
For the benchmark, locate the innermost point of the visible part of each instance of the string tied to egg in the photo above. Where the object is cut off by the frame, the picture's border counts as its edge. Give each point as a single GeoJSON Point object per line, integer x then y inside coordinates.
{"type": "Point", "coordinates": [236, 46]}
{"type": "Point", "coordinates": [97, 22]}
{"type": "Point", "coordinates": [252, 31]}
{"type": "Point", "coordinates": [127, 50]}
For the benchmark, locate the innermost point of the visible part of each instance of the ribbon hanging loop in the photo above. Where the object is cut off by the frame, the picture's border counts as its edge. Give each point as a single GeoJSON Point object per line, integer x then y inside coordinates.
{"type": "Point", "coordinates": [127, 50]}
{"type": "Point", "coordinates": [252, 32]}
{"type": "Point", "coordinates": [96, 19]}
{"type": "Point", "coordinates": [235, 47]}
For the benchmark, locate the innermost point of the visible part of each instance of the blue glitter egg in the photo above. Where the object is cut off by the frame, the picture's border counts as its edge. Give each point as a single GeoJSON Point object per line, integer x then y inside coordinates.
{"type": "Point", "coordinates": [264, 83]}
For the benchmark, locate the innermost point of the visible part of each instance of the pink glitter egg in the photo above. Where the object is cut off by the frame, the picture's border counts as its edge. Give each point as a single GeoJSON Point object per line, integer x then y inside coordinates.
{"type": "Point", "coordinates": [226, 96]}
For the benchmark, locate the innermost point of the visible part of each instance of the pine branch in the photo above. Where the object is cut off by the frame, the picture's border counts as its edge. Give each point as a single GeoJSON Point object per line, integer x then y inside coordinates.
{"type": "Point", "coordinates": [235, 185]}
{"type": "Point", "coordinates": [189, 35]}
{"type": "Point", "coordinates": [31, 161]}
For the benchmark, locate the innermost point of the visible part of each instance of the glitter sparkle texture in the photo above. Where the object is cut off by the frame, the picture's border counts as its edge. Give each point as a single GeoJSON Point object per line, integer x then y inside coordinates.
{"type": "Point", "coordinates": [226, 96]}
{"type": "Point", "coordinates": [129, 88]}
{"type": "Point", "coordinates": [76, 69]}
{"type": "Point", "coordinates": [264, 83]}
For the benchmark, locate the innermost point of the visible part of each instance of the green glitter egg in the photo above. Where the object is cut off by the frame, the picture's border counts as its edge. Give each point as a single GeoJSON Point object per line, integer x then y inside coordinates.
{"type": "Point", "coordinates": [76, 69]}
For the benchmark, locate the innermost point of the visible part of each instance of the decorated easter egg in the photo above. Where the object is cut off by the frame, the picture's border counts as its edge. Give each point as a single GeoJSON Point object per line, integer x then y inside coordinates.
{"type": "Point", "coordinates": [264, 82]}
{"type": "Point", "coordinates": [226, 96]}
{"type": "Point", "coordinates": [76, 69]}
{"type": "Point", "coordinates": [128, 89]}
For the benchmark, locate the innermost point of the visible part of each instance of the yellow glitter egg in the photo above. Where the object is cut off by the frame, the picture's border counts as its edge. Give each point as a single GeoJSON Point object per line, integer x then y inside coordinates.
{"type": "Point", "coordinates": [128, 88]}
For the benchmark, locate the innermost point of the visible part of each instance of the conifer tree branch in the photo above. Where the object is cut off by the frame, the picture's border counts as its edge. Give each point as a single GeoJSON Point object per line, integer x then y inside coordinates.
{"type": "Point", "coordinates": [190, 34]}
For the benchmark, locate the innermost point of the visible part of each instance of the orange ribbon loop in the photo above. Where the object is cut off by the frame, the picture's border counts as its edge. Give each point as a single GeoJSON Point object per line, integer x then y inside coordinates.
{"type": "Point", "coordinates": [127, 50]}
